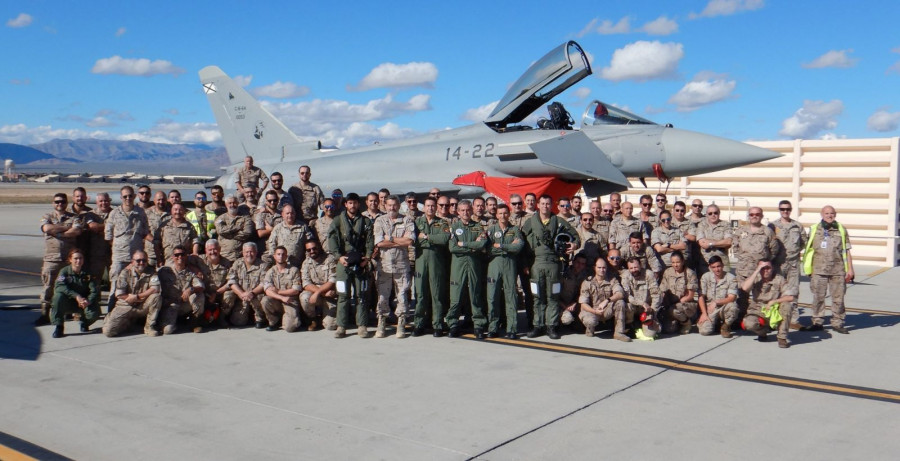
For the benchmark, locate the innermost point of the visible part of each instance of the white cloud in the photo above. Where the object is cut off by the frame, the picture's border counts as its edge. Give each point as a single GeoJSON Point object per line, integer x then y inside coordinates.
{"type": "Point", "coordinates": [143, 67]}
{"type": "Point", "coordinates": [706, 88]}
{"type": "Point", "coordinates": [883, 121]}
{"type": "Point", "coordinates": [479, 114]}
{"type": "Point", "coordinates": [606, 27]}
{"type": "Point", "coordinates": [644, 60]}
{"type": "Point", "coordinates": [660, 26]}
{"type": "Point", "coordinates": [164, 131]}
{"type": "Point", "coordinates": [727, 8]}
{"type": "Point", "coordinates": [335, 111]}
{"type": "Point", "coordinates": [833, 58]}
{"type": "Point", "coordinates": [22, 20]}
{"type": "Point", "coordinates": [169, 132]}
{"type": "Point", "coordinates": [390, 75]}
{"type": "Point", "coordinates": [582, 93]}
{"type": "Point", "coordinates": [812, 118]}
{"type": "Point", "coordinates": [281, 90]}
{"type": "Point", "coordinates": [588, 28]}
{"type": "Point", "coordinates": [242, 80]}
{"type": "Point", "coordinates": [895, 68]}
{"type": "Point", "coordinates": [121, 31]}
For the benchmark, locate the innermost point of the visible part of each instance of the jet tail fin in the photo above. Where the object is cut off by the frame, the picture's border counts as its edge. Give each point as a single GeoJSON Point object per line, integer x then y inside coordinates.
{"type": "Point", "coordinates": [247, 128]}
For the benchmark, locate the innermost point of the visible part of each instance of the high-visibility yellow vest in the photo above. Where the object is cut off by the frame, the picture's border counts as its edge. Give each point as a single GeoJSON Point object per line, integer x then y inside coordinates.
{"type": "Point", "coordinates": [808, 253]}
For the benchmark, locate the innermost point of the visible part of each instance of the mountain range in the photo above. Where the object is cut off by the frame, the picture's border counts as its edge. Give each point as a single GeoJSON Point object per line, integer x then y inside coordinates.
{"type": "Point", "coordinates": [69, 154]}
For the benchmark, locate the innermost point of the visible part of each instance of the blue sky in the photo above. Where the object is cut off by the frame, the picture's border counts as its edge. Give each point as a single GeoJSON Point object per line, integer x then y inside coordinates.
{"type": "Point", "coordinates": [352, 74]}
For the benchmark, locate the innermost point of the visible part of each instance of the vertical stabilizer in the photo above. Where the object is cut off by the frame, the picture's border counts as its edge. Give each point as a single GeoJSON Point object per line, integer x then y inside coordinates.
{"type": "Point", "coordinates": [246, 127]}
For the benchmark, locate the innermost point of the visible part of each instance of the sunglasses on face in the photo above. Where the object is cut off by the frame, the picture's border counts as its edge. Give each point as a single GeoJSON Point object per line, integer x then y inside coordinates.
{"type": "Point", "coordinates": [516, 203]}
{"type": "Point", "coordinates": [328, 207]}
{"type": "Point", "coordinates": [126, 197]}
{"type": "Point", "coordinates": [614, 258]}
{"type": "Point", "coordinates": [443, 205]}
{"type": "Point", "coordinates": [679, 210]}
{"type": "Point", "coordinates": [715, 213]}
{"type": "Point", "coordinates": [696, 206]}
{"type": "Point", "coordinates": [784, 209]}
{"type": "Point", "coordinates": [661, 200]}
{"type": "Point", "coordinates": [140, 261]}
{"type": "Point", "coordinates": [646, 204]}
{"type": "Point", "coordinates": [178, 255]}
{"type": "Point", "coordinates": [144, 192]}
{"type": "Point", "coordinates": [59, 202]}
{"type": "Point", "coordinates": [272, 200]}
{"type": "Point", "coordinates": [666, 220]}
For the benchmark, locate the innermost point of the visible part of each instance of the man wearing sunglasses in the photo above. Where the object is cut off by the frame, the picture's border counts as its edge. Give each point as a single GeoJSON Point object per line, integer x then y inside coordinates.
{"type": "Point", "coordinates": [565, 211]}
{"type": "Point", "coordinates": [714, 237]}
{"type": "Point", "coordinates": [245, 279]}
{"type": "Point", "coordinates": [233, 229]}
{"type": "Point", "coordinates": [593, 243]}
{"type": "Point", "coordinates": [649, 219]}
{"type": "Point", "coordinates": [283, 284]}
{"type": "Point", "coordinates": [792, 239]}
{"type": "Point", "coordinates": [61, 228]}
{"type": "Point", "coordinates": [291, 234]}
{"type": "Point", "coordinates": [145, 197]}
{"type": "Point", "coordinates": [666, 239]}
{"type": "Point", "coordinates": [306, 195]}
{"type": "Point", "coordinates": [318, 300]}
{"type": "Point", "coordinates": [127, 229]}
{"type": "Point", "coordinates": [284, 198]}
{"type": "Point", "coordinates": [182, 293]}
{"type": "Point", "coordinates": [753, 242]}
{"type": "Point", "coordinates": [202, 219]}
{"type": "Point", "coordinates": [178, 232]}
{"type": "Point", "coordinates": [137, 299]}
{"type": "Point", "coordinates": [220, 300]}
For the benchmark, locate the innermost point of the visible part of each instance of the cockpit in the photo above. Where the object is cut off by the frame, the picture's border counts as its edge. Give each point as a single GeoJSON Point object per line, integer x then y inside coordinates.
{"type": "Point", "coordinates": [549, 76]}
{"type": "Point", "coordinates": [598, 113]}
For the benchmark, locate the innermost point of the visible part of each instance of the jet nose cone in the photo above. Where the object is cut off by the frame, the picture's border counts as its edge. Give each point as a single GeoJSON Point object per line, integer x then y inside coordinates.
{"type": "Point", "coordinates": [689, 153]}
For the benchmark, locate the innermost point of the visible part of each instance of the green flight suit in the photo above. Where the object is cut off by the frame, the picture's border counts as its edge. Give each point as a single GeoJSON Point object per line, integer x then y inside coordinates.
{"type": "Point", "coordinates": [432, 263]}
{"type": "Point", "coordinates": [501, 276]}
{"type": "Point", "coordinates": [546, 268]}
{"type": "Point", "coordinates": [69, 285]}
{"type": "Point", "coordinates": [466, 271]}
{"type": "Point", "coordinates": [347, 235]}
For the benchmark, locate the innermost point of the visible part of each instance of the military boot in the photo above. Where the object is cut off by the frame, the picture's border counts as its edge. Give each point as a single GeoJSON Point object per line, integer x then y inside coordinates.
{"type": "Point", "coordinates": [58, 332]}
{"type": "Point", "coordinates": [379, 330]}
{"type": "Point", "coordinates": [401, 326]}
{"type": "Point", "coordinates": [362, 331]}
{"type": "Point", "coordinates": [340, 332]}
{"type": "Point", "coordinates": [726, 331]}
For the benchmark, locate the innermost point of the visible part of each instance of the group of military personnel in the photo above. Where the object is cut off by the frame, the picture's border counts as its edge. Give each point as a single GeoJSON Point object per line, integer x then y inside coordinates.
{"type": "Point", "coordinates": [301, 259]}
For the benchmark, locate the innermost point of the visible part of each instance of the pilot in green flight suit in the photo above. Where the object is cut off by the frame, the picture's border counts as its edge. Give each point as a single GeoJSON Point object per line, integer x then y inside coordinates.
{"type": "Point", "coordinates": [75, 291]}
{"type": "Point", "coordinates": [351, 242]}
{"type": "Point", "coordinates": [506, 241]}
{"type": "Point", "coordinates": [432, 235]}
{"type": "Point", "coordinates": [467, 244]}
{"type": "Point", "coordinates": [541, 231]}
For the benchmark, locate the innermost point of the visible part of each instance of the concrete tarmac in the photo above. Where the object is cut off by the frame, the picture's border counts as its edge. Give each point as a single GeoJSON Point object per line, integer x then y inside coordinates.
{"type": "Point", "coordinates": [247, 393]}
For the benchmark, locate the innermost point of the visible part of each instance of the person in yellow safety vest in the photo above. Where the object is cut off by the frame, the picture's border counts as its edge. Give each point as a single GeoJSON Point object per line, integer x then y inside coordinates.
{"type": "Point", "coordinates": [829, 265]}
{"type": "Point", "coordinates": [202, 219]}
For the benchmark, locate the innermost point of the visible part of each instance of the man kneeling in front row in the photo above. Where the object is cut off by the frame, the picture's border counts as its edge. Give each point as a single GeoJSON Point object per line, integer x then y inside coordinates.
{"type": "Point", "coordinates": [137, 299]}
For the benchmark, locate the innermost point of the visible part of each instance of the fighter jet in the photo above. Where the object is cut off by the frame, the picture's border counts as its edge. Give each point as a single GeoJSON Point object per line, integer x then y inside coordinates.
{"type": "Point", "coordinates": [499, 155]}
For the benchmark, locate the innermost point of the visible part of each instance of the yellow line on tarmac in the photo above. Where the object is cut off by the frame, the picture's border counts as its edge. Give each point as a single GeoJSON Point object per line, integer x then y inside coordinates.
{"type": "Point", "coordinates": [763, 378]}
{"type": "Point", "coordinates": [19, 272]}
{"type": "Point", "coordinates": [8, 454]}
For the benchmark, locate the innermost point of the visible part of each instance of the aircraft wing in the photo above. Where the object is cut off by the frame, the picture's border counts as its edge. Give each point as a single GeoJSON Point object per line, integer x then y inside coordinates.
{"type": "Point", "coordinates": [575, 152]}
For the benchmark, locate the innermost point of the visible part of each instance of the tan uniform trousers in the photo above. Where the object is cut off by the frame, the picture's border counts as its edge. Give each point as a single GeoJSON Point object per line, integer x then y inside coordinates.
{"type": "Point", "coordinates": [621, 312]}
{"type": "Point", "coordinates": [124, 316]}
{"type": "Point", "coordinates": [728, 313]}
{"type": "Point", "coordinates": [233, 310]}
{"type": "Point", "coordinates": [651, 329]}
{"type": "Point", "coordinates": [49, 272]}
{"type": "Point", "coordinates": [752, 322]}
{"type": "Point", "coordinates": [193, 307]}
{"type": "Point", "coordinates": [324, 307]}
{"type": "Point", "coordinates": [287, 313]}
{"type": "Point", "coordinates": [790, 270]}
{"type": "Point", "coordinates": [821, 285]}
{"type": "Point", "coordinates": [399, 282]}
{"type": "Point", "coordinates": [677, 314]}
